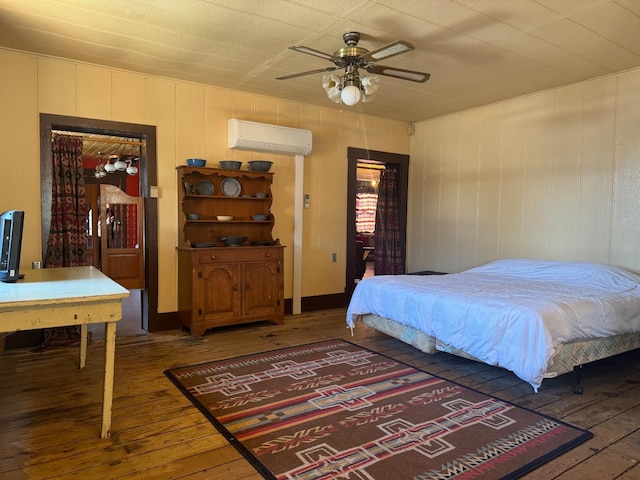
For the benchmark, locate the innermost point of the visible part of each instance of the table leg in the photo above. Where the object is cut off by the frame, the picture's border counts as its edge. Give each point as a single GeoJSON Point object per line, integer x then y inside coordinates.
{"type": "Point", "coordinates": [109, 362]}
{"type": "Point", "coordinates": [83, 344]}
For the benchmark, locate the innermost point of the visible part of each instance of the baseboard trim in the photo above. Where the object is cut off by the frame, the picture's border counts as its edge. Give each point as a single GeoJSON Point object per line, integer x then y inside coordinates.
{"type": "Point", "coordinates": [320, 302]}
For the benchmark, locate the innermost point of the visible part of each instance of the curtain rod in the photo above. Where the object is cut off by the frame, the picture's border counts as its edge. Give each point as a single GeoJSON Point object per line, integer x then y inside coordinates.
{"type": "Point", "coordinates": [104, 140]}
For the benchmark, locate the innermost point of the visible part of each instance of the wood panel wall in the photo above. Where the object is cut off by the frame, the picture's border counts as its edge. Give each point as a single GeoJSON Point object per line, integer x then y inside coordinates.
{"type": "Point", "coordinates": [191, 121]}
{"type": "Point", "coordinates": [551, 175]}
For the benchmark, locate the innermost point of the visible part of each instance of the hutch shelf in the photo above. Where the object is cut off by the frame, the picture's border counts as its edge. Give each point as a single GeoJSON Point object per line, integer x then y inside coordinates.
{"type": "Point", "coordinates": [222, 285]}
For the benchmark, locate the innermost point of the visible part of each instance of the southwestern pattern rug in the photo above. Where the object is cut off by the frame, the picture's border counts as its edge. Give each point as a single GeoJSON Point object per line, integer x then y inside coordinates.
{"type": "Point", "coordinates": [334, 410]}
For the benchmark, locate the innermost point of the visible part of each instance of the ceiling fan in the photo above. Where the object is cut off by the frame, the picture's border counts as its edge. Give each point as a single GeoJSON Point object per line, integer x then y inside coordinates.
{"type": "Point", "coordinates": [351, 87]}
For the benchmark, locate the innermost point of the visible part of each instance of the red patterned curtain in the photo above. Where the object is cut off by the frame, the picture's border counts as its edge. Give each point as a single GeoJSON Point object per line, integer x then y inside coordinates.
{"type": "Point", "coordinates": [66, 246]}
{"type": "Point", "coordinates": [388, 253]}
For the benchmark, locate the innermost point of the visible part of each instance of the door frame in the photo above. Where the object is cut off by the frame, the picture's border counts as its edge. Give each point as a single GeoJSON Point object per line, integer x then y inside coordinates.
{"type": "Point", "coordinates": [401, 163]}
{"type": "Point", "coordinates": [148, 174]}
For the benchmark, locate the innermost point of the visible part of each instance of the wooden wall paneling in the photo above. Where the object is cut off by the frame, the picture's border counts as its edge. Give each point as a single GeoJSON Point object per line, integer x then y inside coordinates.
{"type": "Point", "coordinates": [467, 237]}
{"type": "Point", "coordinates": [416, 201]}
{"type": "Point", "coordinates": [190, 122]}
{"type": "Point", "coordinates": [397, 137]}
{"type": "Point", "coordinates": [370, 133]}
{"type": "Point", "coordinates": [578, 155]}
{"type": "Point", "coordinates": [625, 228]}
{"type": "Point", "coordinates": [243, 107]}
{"type": "Point", "coordinates": [431, 200]}
{"type": "Point", "coordinates": [216, 116]}
{"type": "Point", "coordinates": [489, 191]}
{"type": "Point", "coordinates": [56, 86]}
{"type": "Point", "coordinates": [93, 94]}
{"type": "Point", "coordinates": [512, 178]}
{"type": "Point", "coordinates": [565, 183]}
{"type": "Point", "coordinates": [18, 129]}
{"type": "Point", "coordinates": [329, 199]}
{"type": "Point", "coordinates": [160, 110]}
{"type": "Point", "coordinates": [537, 194]}
{"type": "Point", "coordinates": [266, 110]}
{"type": "Point", "coordinates": [127, 97]}
{"type": "Point", "coordinates": [450, 168]}
{"type": "Point", "coordinates": [313, 226]}
{"type": "Point", "coordinates": [596, 178]}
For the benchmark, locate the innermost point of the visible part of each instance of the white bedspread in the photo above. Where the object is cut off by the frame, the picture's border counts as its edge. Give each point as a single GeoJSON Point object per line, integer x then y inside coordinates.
{"type": "Point", "coordinates": [510, 313]}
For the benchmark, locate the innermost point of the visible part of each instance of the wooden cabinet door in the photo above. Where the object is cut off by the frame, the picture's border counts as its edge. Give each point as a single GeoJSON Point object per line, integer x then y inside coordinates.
{"type": "Point", "coordinates": [261, 293]}
{"type": "Point", "coordinates": [219, 292]}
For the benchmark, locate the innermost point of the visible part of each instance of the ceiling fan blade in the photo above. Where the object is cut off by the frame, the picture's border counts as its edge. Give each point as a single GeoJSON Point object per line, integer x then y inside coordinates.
{"type": "Point", "coordinates": [310, 72]}
{"type": "Point", "coordinates": [395, 48]}
{"type": "Point", "coordinates": [316, 53]}
{"type": "Point", "coordinates": [411, 75]}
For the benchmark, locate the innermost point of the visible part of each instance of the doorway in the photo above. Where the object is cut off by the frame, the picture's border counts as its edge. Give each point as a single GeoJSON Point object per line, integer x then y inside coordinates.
{"type": "Point", "coordinates": [376, 161]}
{"type": "Point", "coordinates": [150, 320]}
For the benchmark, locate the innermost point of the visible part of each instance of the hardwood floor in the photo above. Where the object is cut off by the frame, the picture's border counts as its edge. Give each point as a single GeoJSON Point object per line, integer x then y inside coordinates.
{"type": "Point", "coordinates": [50, 410]}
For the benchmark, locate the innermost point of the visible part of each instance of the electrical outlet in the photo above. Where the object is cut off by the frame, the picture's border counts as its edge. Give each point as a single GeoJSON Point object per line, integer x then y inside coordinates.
{"type": "Point", "coordinates": [334, 257]}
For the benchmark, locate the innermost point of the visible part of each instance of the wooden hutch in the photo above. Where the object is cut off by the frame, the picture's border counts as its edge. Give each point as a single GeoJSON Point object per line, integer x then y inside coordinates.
{"type": "Point", "coordinates": [225, 285]}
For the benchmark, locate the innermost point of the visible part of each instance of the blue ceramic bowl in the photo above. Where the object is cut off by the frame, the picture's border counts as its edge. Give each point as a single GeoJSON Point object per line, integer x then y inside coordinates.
{"type": "Point", "coordinates": [260, 165]}
{"type": "Point", "coordinates": [230, 164]}
{"type": "Point", "coordinates": [196, 162]}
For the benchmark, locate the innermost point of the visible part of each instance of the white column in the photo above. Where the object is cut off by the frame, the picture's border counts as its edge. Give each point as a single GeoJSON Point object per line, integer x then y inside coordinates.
{"type": "Point", "coordinates": [297, 234]}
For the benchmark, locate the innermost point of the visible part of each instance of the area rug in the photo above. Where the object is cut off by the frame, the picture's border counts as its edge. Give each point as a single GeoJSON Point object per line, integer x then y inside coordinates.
{"type": "Point", "coordinates": [334, 410]}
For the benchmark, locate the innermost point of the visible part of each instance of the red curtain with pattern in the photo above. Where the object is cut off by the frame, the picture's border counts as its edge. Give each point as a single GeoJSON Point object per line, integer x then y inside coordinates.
{"type": "Point", "coordinates": [66, 246]}
{"type": "Point", "coordinates": [388, 252]}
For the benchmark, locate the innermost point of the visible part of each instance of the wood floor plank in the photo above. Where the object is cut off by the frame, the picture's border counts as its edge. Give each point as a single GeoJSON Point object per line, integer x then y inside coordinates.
{"type": "Point", "coordinates": [50, 410]}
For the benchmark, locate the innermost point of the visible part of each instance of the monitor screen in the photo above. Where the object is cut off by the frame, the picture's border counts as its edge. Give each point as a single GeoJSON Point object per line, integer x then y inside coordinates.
{"type": "Point", "coordinates": [11, 230]}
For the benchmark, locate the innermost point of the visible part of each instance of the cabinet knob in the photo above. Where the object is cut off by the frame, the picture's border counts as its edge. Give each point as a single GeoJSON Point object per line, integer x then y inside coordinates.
{"type": "Point", "coordinates": [213, 257]}
{"type": "Point", "coordinates": [267, 255]}
{"type": "Point", "coordinates": [235, 287]}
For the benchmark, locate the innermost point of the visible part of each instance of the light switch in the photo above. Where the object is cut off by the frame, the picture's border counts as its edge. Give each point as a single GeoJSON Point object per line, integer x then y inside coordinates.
{"type": "Point", "coordinates": [307, 200]}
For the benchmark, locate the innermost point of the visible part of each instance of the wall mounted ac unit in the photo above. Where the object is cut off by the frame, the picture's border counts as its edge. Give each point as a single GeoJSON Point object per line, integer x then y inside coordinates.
{"type": "Point", "coordinates": [263, 137]}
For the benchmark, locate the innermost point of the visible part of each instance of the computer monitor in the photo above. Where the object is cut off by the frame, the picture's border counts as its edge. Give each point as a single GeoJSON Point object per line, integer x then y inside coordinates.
{"type": "Point", "coordinates": [11, 233]}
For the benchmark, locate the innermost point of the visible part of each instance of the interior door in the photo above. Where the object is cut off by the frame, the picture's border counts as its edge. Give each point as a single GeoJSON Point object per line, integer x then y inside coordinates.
{"type": "Point", "coordinates": [121, 237]}
{"type": "Point", "coordinates": [401, 163]}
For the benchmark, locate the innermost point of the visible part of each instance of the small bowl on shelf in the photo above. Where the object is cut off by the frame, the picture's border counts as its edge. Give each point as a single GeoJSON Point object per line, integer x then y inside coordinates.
{"type": "Point", "coordinates": [230, 164]}
{"type": "Point", "coordinates": [261, 195]}
{"type": "Point", "coordinates": [193, 216]}
{"type": "Point", "coordinates": [260, 217]}
{"type": "Point", "coordinates": [224, 218]}
{"type": "Point", "coordinates": [233, 241]}
{"type": "Point", "coordinates": [196, 162]}
{"type": "Point", "coordinates": [260, 165]}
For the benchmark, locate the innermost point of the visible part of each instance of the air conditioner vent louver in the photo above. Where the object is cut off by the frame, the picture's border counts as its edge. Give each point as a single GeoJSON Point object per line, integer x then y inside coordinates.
{"type": "Point", "coordinates": [263, 137]}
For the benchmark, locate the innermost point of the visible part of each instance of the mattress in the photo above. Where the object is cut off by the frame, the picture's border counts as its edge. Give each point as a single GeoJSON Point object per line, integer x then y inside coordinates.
{"type": "Point", "coordinates": [513, 313]}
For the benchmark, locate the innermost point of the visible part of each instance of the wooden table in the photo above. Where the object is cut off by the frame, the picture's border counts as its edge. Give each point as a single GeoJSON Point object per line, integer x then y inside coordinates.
{"type": "Point", "coordinates": [63, 297]}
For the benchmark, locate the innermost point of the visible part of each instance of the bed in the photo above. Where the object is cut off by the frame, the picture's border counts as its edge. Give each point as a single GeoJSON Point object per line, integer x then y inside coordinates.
{"type": "Point", "coordinates": [536, 318]}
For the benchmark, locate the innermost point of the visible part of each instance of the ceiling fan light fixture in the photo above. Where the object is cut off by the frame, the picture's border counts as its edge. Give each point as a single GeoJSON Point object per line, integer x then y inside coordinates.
{"type": "Point", "coordinates": [370, 84]}
{"type": "Point", "coordinates": [351, 88]}
{"type": "Point", "coordinates": [350, 95]}
{"type": "Point", "coordinates": [331, 85]}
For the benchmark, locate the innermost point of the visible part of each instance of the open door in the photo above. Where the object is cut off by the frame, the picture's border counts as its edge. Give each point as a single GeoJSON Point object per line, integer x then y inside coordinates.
{"type": "Point", "coordinates": [121, 237]}
{"type": "Point", "coordinates": [356, 246]}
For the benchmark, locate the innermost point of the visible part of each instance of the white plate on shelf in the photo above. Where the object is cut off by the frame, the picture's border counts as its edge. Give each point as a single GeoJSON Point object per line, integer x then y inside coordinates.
{"type": "Point", "coordinates": [231, 187]}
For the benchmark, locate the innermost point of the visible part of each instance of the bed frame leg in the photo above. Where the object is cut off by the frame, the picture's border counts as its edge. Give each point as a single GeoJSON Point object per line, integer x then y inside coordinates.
{"type": "Point", "coordinates": [577, 373]}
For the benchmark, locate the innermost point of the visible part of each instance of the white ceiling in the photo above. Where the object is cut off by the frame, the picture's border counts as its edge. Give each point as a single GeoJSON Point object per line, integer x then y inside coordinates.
{"type": "Point", "coordinates": [477, 51]}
